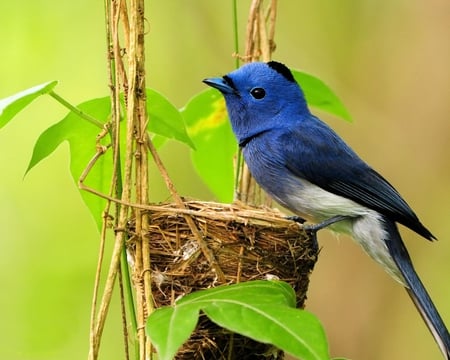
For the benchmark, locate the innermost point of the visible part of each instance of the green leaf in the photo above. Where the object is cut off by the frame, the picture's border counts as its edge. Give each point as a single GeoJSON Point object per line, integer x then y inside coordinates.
{"type": "Point", "coordinates": [81, 136]}
{"type": "Point", "coordinates": [258, 291]}
{"type": "Point", "coordinates": [170, 327]}
{"type": "Point", "coordinates": [262, 310]}
{"type": "Point", "coordinates": [165, 119]}
{"type": "Point", "coordinates": [10, 106]}
{"type": "Point", "coordinates": [320, 96]}
{"type": "Point", "coordinates": [209, 128]}
{"type": "Point", "coordinates": [295, 331]}
{"type": "Point", "coordinates": [166, 122]}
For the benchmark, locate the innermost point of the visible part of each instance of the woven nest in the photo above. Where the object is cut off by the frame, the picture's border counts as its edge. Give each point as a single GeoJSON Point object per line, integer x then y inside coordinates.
{"type": "Point", "coordinates": [247, 243]}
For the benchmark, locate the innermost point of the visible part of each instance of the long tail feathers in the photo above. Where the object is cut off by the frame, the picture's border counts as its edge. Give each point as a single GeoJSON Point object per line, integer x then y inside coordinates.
{"type": "Point", "coordinates": [416, 290]}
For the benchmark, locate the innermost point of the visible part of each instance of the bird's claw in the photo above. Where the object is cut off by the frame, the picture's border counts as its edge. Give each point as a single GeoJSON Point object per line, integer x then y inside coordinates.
{"type": "Point", "coordinates": [332, 220]}
{"type": "Point", "coordinates": [312, 229]}
{"type": "Point", "coordinates": [296, 219]}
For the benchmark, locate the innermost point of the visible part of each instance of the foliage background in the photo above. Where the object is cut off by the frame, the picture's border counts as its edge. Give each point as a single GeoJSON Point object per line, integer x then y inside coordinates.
{"type": "Point", "coordinates": [387, 60]}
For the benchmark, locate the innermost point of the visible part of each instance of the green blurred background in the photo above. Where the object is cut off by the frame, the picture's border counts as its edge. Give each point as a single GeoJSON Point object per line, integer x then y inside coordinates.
{"type": "Point", "coordinates": [388, 60]}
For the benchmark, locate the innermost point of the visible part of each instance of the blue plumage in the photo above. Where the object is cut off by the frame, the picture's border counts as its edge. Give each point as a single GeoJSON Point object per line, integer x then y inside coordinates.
{"type": "Point", "coordinates": [305, 166]}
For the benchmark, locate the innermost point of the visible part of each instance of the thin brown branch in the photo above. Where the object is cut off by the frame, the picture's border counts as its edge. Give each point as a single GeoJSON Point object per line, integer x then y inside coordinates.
{"type": "Point", "coordinates": [137, 92]}
{"type": "Point", "coordinates": [259, 44]}
{"type": "Point", "coordinates": [124, 317]}
{"type": "Point", "coordinates": [271, 23]}
{"type": "Point", "coordinates": [263, 37]}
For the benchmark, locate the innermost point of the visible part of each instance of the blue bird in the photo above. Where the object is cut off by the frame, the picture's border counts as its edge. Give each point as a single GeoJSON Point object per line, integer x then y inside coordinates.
{"type": "Point", "coordinates": [306, 167]}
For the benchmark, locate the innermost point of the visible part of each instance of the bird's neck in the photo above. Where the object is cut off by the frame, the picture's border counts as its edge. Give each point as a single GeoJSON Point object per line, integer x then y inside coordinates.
{"type": "Point", "coordinates": [243, 141]}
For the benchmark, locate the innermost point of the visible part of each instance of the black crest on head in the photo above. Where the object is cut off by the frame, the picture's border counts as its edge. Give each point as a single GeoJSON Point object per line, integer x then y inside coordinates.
{"type": "Point", "coordinates": [282, 69]}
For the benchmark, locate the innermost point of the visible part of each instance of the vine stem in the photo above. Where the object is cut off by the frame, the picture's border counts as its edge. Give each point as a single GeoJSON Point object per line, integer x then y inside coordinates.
{"type": "Point", "coordinates": [117, 74]}
{"type": "Point", "coordinates": [236, 32]}
{"type": "Point", "coordinates": [259, 43]}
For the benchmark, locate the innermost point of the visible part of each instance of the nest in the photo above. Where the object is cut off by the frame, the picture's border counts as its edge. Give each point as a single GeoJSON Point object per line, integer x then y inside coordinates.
{"type": "Point", "coordinates": [246, 243]}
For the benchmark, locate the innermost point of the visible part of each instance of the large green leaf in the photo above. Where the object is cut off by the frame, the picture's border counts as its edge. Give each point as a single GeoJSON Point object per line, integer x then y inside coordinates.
{"type": "Point", "coordinates": [10, 106]}
{"type": "Point", "coordinates": [260, 291]}
{"type": "Point", "coordinates": [320, 96]}
{"type": "Point", "coordinates": [208, 126]}
{"type": "Point", "coordinates": [295, 331]}
{"type": "Point", "coordinates": [165, 119]}
{"type": "Point", "coordinates": [81, 136]}
{"type": "Point", "coordinates": [262, 310]}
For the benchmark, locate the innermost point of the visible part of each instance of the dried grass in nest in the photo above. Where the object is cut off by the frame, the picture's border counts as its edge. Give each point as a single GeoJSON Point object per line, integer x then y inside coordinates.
{"type": "Point", "coordinates": [247, 242]}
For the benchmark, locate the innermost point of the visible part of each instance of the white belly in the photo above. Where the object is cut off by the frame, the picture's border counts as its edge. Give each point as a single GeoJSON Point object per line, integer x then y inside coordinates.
{"type": "Point", "coordinates": [366, 227]}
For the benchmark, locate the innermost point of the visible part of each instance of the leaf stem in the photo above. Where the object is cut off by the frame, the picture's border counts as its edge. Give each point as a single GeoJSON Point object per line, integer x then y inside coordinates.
{"type": "Point", "coordinates": [77, 111]}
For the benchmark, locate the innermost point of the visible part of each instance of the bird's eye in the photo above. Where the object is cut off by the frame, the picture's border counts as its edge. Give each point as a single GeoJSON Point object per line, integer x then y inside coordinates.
{"type": "Point", "coordinates": [258, 93]}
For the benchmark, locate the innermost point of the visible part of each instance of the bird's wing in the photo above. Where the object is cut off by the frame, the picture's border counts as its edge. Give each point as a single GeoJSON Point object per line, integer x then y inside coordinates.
{"type": "Point", "coordinates": [318, 155]}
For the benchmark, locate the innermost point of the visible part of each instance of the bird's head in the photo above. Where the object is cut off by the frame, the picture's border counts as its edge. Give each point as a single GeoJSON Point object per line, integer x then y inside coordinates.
{"type": "Point", "coordinates": [260, 97]}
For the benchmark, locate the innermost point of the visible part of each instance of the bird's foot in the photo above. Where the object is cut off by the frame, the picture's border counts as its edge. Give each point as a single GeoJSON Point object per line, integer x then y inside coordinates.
{"type": "Point", "coordinates": [296, 219]}
{"type": "Point", "coordinates": [312, 229]}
